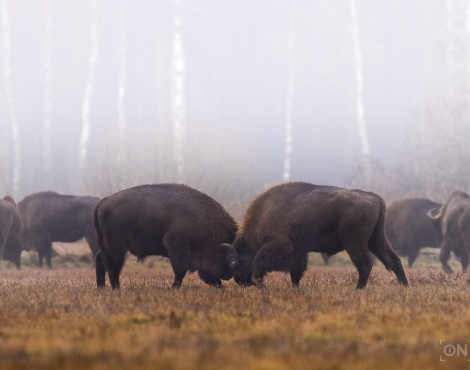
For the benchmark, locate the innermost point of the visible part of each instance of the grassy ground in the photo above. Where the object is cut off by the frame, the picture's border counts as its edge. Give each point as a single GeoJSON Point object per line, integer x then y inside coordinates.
{"type": "Point", "coordinates": [57, 319]}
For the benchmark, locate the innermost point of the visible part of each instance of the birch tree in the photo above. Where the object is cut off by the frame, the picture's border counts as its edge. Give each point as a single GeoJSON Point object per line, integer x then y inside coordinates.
{"type": "Point", "coordinates": [86, 121]}
{"type": "Point", "coordinates": [46, 139]}
{"type": "Point", "coordinates": [122, 79]}
{"type": "Point", "coordinates": [15, 131]}
{"type": "Point", "coordinates": [361, 125]}
{"type": "Point", "coordinates": [178, 76]}
{"type": "Point", "coordinates": [290, 92]}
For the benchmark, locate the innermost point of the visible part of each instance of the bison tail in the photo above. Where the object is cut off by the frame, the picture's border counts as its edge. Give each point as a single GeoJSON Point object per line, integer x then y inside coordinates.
{"type": "Point", "coordinates": [100, 258]}
{"type": "Point", "coordinates": [378, 245]}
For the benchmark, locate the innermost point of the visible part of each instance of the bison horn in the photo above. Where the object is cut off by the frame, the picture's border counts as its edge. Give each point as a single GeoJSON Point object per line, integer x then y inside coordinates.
{"type": "Point", "coordinates": [431, 214]}
{"type": "Point", "coordinates": [229, 248]}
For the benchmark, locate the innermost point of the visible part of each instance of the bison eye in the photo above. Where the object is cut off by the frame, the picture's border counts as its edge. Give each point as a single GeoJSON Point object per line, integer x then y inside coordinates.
{"type": "Point", "coordinates": [233, 262]}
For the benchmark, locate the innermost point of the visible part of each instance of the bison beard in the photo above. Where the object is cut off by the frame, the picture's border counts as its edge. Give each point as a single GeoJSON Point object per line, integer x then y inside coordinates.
{"type": "Point", "coordinates": [168, 220]}
{"type": "Point", "coordinates": [289, 220]}
{"type": "Point", "coordinates": [408, 227]}
{"type": "Point", "coordinates": [10, 231]}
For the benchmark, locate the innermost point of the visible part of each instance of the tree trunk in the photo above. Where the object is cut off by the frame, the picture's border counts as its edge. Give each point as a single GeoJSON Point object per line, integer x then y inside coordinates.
{"type": "Point", "coordinates": [361, 125]}
{"type": "Point", "coordinates": [15, 131]}
{"type": "Point", "coordinates": [290, 92]}
{"type": "Point", "coordinates": [178, 75]}
{"type": "Point", "coordinates": [46, 139]}
{"type": "Point", "coordinates": [86, 121]}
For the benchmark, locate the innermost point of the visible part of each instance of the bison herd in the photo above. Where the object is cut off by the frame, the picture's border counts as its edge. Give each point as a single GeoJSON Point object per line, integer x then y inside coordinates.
{"type": "Point", "coordinates": [280, 227]}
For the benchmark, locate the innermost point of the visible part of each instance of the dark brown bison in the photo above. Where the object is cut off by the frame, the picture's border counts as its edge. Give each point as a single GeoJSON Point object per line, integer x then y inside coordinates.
{"type": "Point", "coordinates": [168, 220]}
{"type": "Point", "coordinates": [453, 221]}
{"type": "Point", "coordinates": [408, 227]}
{"type": "Point", "coordinates": [10, 231]}
{"type": "Point", "coordinates": [289, 220]}
{"type": "Point", "coordinates": [50, 217]}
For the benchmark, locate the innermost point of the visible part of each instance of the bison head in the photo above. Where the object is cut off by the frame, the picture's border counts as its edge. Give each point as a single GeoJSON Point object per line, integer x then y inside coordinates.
{"type": "Point", "coordinates": [219, 266]}
{"type": "Point", "coordinates": [244, 263]}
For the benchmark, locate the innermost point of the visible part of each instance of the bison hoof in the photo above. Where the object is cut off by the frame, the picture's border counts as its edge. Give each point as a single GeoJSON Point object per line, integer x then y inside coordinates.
{"type": "Point", "coordinates": [448, 270]}
{"type": "Point", "coordinates": [257, 282]}
{"type": "Point", "coordinates": [176, 285]}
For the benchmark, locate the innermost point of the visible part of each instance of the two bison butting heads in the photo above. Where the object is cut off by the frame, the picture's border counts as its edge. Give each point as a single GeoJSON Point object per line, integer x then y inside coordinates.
{"type": "Point", "coordinates": [280, 227]}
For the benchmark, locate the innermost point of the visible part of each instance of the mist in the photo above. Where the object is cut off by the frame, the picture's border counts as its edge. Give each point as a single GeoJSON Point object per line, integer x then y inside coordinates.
{"type": "Point", "coordinates": [233, 96]}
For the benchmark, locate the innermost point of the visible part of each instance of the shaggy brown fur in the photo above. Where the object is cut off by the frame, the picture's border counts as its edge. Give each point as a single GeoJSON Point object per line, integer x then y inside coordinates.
{"type": "Point", "coordinates": [50, 217]}
{"type": "Point", "coordinates": [408, 227]}
{"type": "Point", "coordinates": [289, 220]}
{"type": "Point", "coordinates": [453, 221]}
{"type": "Point", "coordinates": [10, 231]}
{"type": "Point", "coordinates": [168, 220]}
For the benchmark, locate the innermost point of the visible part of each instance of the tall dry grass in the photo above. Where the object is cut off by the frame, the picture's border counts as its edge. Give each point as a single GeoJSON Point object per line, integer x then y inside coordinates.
{"type": "Point", "coordinates": [58, 319]}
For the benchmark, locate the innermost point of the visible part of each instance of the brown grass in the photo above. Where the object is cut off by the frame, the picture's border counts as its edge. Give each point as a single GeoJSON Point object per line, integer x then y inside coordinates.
{"type": "Point", "coordinates": [59, 320]}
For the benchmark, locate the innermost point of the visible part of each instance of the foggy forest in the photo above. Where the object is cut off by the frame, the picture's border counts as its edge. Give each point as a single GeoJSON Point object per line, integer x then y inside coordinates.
{"type": "Point", "coordinates": [233, 96]}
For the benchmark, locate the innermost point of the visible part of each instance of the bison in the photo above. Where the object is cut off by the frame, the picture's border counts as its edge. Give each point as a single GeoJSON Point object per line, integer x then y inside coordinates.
{"type": "Point", "coordinates": [289, 220]}
{"type": "Point", "coordinates": [10, 231]}
{"type": "Point", "coordinates": [408, 227]}
{"type": "Point", "coordinates": [50, 217]}
{"type": "Point", "coordinates": [169, 220]}
{"type": "Point", "coordinates": [453, 221]}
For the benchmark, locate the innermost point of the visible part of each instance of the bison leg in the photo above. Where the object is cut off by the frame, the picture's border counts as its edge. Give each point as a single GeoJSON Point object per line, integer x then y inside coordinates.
{"type": "Point", "coordinates": [300, 265]}
{"type": "Point", "coordinates": [326, 258]}
{"type": "Point", "coordinates": [48, 256]}
{"type": "Point", "coordinates": [444, 256]}
{"type": "Point", "coordinates": [363, 263]}
{"type": "Point", "coordinates": [100, 271]}
{"type": "Point", "coordinates": [414, 252]}
{"type": "Point", "coordinates": [40, 258]}
{"type": "Point", "coordinates": [180, 257]}
{"type": "Point", "coordinates": [272, 256]}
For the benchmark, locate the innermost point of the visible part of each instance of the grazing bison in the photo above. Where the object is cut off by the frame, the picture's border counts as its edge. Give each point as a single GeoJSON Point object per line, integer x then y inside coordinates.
{"type": "Point", "coordinates": [169, 220]}
{"type": "Point", "coordinates": [50, 217]}
{"type": "Point", "coordinates": [10, 231]}
{"type": "Point", "coordinates": [453, 221]}
{"type": "Point", "coordinates": [289, 220]}
{"type": "Point", "coordinates": [408, 227]}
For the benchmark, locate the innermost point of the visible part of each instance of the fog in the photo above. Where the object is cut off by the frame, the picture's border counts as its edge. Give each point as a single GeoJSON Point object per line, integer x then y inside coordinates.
{"type": "Point", "coordinates": [99, 95]}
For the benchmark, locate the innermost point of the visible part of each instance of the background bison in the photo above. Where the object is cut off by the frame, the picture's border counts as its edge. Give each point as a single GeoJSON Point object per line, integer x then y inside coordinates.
{"type": "Point", "coordinates": [287, 221]}
{"type": "Point", "coordinates": [168, 220]}
{"type": "Point", "coordinates": [453, 221]}
{"type": "Point", "coordinates": [408, 227]}
{"type": "Point", "coordinates": [10, 229]}
{"type": "Point", "coordinates": [50, 217]}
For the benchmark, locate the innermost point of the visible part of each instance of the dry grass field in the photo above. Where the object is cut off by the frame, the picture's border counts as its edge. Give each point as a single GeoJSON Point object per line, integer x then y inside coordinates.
{"type": "Point", "coordinates": [57, 319]}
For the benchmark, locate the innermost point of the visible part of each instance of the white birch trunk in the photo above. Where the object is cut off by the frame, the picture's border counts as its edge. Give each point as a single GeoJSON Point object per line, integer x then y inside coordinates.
{"type": "Point", "coordinates": [122, 76]}
{"type": "Point", "coordinates": [15, 132]}
{"type": "Point", "coordinates": [46, 138]}
{"type": "Point", "coordinates": [178, 108]}
{"type": "Point", "coordinates": [86, 121]}
{"type": "Point", "coordinates": [361, 125]}
{"type": "Point", "coordinates": [290, 92]}
{"type": "Point", "coordinates": [450, 54]}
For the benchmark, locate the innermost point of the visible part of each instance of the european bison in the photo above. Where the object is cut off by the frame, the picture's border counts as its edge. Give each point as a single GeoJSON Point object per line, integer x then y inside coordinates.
{"type": "Point", "coordinates": [453, 221]}
{"type": "Point", "coordinates": [169, 220]}
{"type": "Point", "coordinates": [289, 220]}
{"type": "Point", "coordinates": [10, 230]}
{"type": "Point", "coordinates": [408, 227]}
{"type": "Point", "coordinates": [50, 217]}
